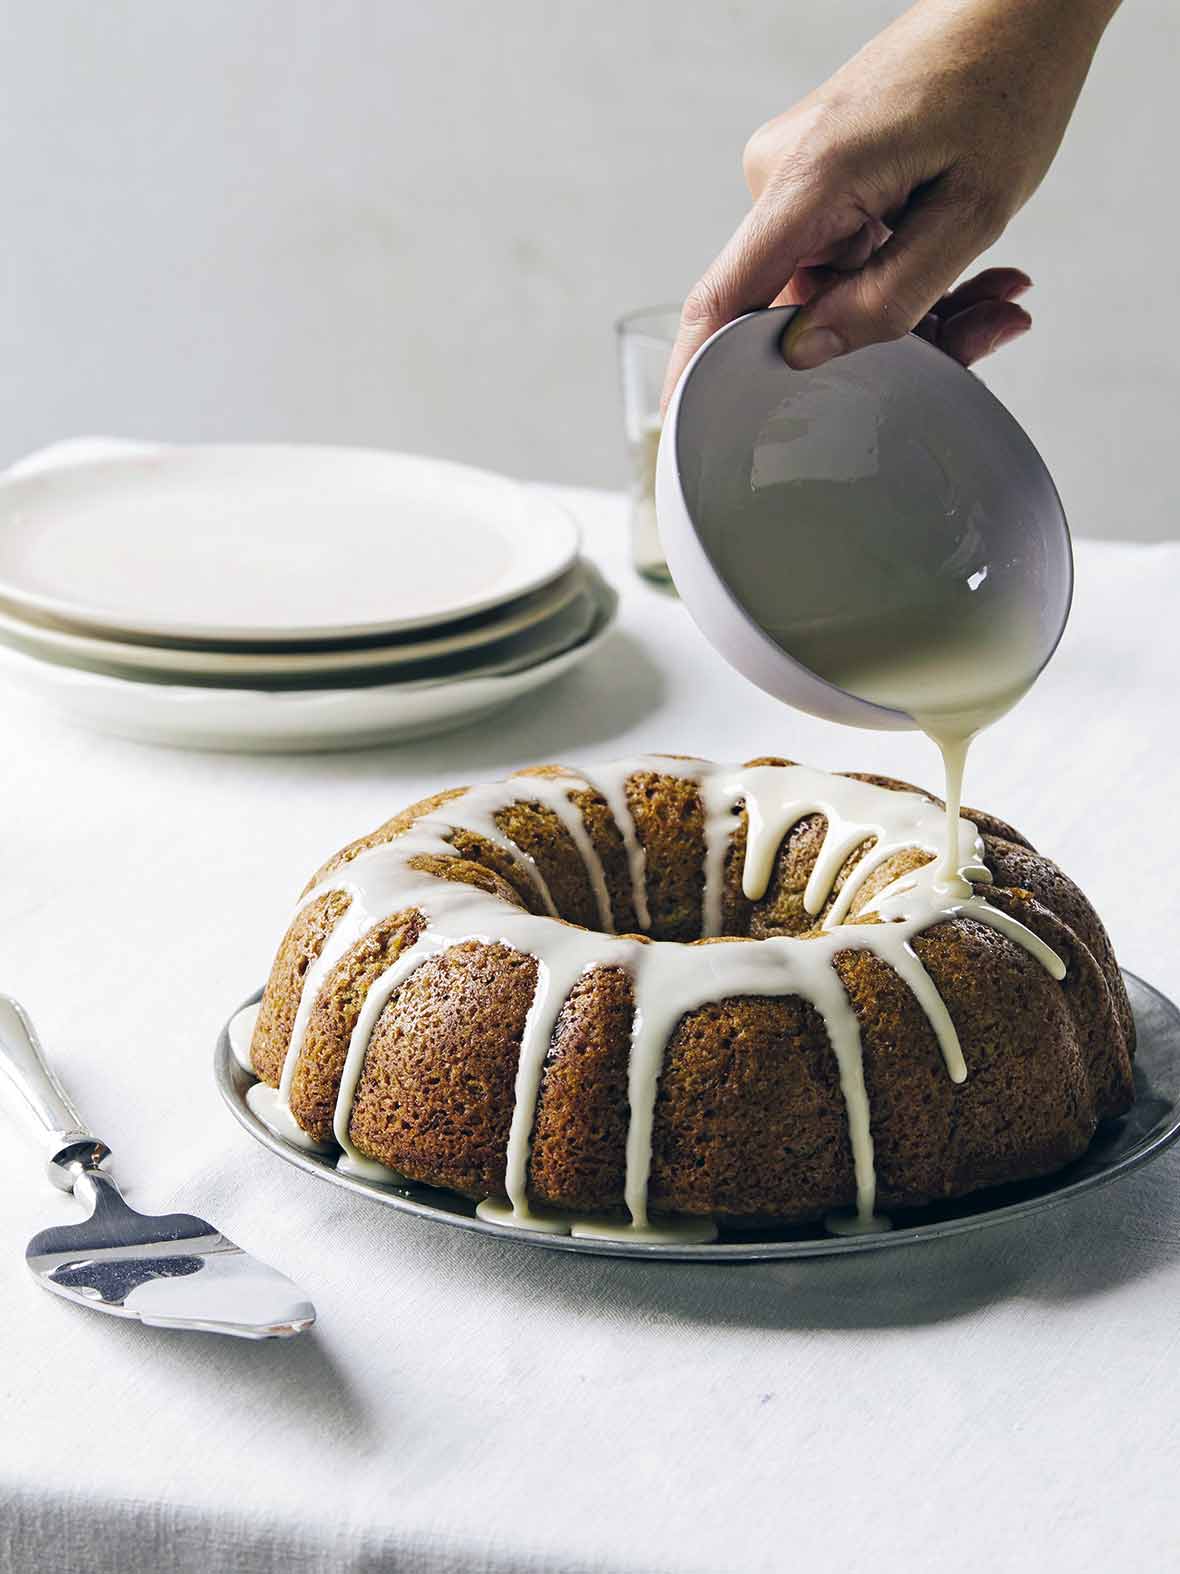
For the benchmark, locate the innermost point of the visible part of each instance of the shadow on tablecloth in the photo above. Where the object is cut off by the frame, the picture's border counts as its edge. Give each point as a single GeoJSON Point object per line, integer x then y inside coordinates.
{"type": "Point", "coordinates": [573, 718]}
{"type": "Point", "coordinates": [1080, 1250]}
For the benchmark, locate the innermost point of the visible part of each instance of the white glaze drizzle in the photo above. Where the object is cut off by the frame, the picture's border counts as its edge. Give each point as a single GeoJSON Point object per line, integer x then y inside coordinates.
{"type": "Point", "coordinates": [240, 1032]}
{"type": "Point", "coordinates": [267, 1104]}
{"type": "Point", "coordinates": [480, 807]}
{"type": "Point", "coordinates": [555, 795]}
{"type": "Point", "coordinates": [611, 782]}
{"type": "Point", "coordinates": [721, 798]}
{"type": "Point", "coordinates": [669, 979]}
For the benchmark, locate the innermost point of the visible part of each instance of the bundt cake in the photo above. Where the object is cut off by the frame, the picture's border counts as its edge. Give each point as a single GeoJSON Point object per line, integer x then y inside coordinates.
{"type": "Point", "coordinates": [665, 993]}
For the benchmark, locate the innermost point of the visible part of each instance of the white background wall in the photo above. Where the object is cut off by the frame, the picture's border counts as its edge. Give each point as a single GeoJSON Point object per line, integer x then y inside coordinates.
{"type": "Point", "coordinates": [412, 224]}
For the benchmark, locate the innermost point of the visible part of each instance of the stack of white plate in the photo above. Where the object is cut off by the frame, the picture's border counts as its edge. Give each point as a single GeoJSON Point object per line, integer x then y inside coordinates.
{"type": "Point", "coordinates": [271, 597]}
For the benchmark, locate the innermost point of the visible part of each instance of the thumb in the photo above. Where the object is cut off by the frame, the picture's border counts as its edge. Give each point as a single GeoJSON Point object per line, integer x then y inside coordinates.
{"type": "Point", "coordinates": [785, 225]}
{"type": "Point", "coordinates": [932, 243]}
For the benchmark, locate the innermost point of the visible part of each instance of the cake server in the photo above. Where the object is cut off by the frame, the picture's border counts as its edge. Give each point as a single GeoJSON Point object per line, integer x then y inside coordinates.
{"type": "Point", "coordinates": [171, 1270]}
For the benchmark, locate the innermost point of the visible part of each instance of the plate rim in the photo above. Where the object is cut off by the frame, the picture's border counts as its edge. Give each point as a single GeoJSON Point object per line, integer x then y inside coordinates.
{"type": "Point", "coordinates": [93, 620]}
{"type": "Point", "coordinates": [226, 1067]}
{"type": "Point", "coordinates": [73, 648]}
{"type": "Point", "coordinates": [67, 676]}
{"type": "Point", "coordinates": [282, 721]}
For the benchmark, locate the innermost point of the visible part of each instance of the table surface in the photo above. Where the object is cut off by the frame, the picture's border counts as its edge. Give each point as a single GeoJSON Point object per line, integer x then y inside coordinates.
{"type": "Point", "coordinates": [1002, 1400]}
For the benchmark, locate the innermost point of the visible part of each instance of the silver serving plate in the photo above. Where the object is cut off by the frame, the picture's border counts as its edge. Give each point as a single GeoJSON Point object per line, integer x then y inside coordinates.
{"type": "Point", "coordinates": [1121, 1146]}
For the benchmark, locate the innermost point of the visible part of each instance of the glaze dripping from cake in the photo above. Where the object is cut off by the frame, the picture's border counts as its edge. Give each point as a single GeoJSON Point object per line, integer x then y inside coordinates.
{"type": "Point", "coordinates": [668, 978]}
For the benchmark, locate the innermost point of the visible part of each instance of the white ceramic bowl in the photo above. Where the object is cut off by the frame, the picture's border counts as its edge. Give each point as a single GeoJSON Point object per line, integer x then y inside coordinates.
{"type": "Point", "coordinates": [898, 436]}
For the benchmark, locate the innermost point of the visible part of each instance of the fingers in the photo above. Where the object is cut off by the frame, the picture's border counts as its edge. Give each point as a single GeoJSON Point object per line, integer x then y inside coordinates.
{"type": "Point", "coordinates": [846, 256]}
{"type": "Point", "coordinates": [979, 316]}
{"type": "Point", "coordinates": [933, 241]}
{"type": "Point", "coordinates": [811, 277]}
{"type": "Point", "coordinates": [981, 329]}
{"type": "Point", "coordinates": [993, 284]}
{"type": "Point", "coordinates": [784, 226]}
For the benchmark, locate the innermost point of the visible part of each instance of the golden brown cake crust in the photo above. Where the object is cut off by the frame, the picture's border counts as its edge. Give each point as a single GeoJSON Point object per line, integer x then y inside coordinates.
{"type": "Point", "coordinates": [750, 1119]}
{"type": "Point", "coordinates": [300, 947]}
{"type": "Point", "coordinates": [447, 1113]}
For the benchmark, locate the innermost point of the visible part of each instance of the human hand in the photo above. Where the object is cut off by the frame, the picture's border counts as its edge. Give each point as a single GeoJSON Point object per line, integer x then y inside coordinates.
{"type": "Point", "coordinates": [876, 191]}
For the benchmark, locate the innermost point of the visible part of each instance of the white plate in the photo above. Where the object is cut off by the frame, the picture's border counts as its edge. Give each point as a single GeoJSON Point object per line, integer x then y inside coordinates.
{"type": "Point", "coordinates": [259, 543]}
{"type": "Point", "coordinates": [536, 617]}
{"type": "Point", "coordinates": [568, 627]}
{"type": "Point", "coordinates": [258, 721]}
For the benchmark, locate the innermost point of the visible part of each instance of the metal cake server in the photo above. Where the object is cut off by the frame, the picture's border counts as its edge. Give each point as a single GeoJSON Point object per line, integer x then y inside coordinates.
{"type": "Point", "coordinates": [172, 1270]}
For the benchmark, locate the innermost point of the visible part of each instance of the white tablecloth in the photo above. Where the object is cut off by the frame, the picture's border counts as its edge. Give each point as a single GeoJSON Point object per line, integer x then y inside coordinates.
{"type": "Point", "coordinates": [1003, 1401]}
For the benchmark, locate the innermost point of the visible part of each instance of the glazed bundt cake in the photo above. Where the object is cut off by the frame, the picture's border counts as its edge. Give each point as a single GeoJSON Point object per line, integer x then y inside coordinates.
{"type": "Point", "coordinates": [665, 993]}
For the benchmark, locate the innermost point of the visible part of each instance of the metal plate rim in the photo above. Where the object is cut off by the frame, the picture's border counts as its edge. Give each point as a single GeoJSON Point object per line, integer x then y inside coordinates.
{"type": "Point", "coordinates": [230, 1077]}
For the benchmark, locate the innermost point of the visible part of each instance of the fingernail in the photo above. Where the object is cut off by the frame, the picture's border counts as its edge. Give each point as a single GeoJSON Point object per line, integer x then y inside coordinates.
{"type": "Point", "coordinates": [812, 348]}
{"type": "Point", "coordinates": [1006, 336]}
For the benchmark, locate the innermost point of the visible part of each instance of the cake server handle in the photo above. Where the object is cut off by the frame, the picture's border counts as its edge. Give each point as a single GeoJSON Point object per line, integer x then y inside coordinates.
{"type": "Point", "coordinates": [71, 1148]}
